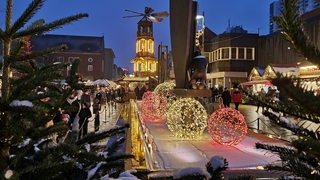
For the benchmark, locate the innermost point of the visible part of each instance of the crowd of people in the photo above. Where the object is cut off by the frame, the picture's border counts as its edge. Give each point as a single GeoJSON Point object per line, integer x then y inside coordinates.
{"type": "Point", "coordinates": [81, 105]}
{"type": "Point", "coordinates": [225, 97]}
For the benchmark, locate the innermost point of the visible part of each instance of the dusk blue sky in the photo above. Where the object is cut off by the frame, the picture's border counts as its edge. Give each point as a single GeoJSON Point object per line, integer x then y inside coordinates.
{"type": "Point", "coordinates": [106, 19]}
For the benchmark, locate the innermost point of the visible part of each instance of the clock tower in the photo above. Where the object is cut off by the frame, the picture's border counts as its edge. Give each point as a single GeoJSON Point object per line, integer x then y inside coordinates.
{"type": "Point", "coordinates": [145, 64]}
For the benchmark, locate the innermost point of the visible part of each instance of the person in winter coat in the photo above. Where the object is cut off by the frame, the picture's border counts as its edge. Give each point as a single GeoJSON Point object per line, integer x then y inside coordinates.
{"type": "Point", "coordinates": [71, 107]}
{"type": "Point", "coordinates": [261, 96]}
{"type": "Point", "coordinates": [236, 98]}
{"type": "Point", "coordinates": [96, 109]}
{"type": "Point", "coordinates": [84, 116]}
{"type": "Point", "coordinates": [226, 97]}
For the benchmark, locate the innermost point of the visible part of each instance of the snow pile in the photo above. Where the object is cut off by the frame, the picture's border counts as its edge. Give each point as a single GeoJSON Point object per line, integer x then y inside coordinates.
{"type": "Point", "coordinates": [217, 162]}
{"type": "Point", "coordinates": [17, 103]}
{"type": "Point", "coordinates": [190, 171]}
{"type": "Point", "coordinates": [298, 123]}
{"type": "Point", "coordinates": [123, 176]}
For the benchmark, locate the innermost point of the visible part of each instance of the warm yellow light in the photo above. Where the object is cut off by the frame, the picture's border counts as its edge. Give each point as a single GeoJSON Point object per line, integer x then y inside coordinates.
{"type": "Point", "coordinates": [309, 67]}
{"type": "Point", "coordinates": [187, 118]}
{"type": "Point", "coordinates": [165, 90]}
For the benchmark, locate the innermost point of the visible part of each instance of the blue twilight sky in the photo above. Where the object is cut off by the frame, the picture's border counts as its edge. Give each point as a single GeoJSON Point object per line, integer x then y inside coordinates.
{"type": "Point", "coordinates": [106, 19]}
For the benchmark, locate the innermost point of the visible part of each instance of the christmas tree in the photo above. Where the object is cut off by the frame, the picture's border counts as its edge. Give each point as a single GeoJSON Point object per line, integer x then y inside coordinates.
{"type": "Point", "coordinates": [303, 158]}
{"type": "Point", "coordinates": [30, 98]}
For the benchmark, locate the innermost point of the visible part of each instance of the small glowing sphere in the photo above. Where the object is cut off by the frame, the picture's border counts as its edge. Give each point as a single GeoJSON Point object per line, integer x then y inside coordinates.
{"type": "Point", "coordinates": [165, 89]}
{"type": "Point", "coordinates": [187, 118]}
{"type": "Point", "coordinates": [227, 126]}
{"type": "Point", "coordinates": [153, 106]}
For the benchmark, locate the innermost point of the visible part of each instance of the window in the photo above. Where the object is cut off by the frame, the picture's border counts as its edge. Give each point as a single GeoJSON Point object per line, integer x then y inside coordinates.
{"type": "Point", "coordinates": [90, 67]}
{"type": "Point", "coordinates": [250, 53]}
{"type": "Point", "coordinates": [233, 53]}
{"type": "Point", "coordinates": [225, 53]}
{"type": "Point", "coordinates": [72, 59]}
{"type": "Point", "coordinates": [90, 59]}
{"type": "Point", "coordinates": [241, 53]}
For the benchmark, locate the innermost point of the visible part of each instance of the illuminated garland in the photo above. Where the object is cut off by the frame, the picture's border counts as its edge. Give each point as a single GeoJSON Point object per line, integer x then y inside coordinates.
{"type": "Point", "coordinates": [165, 89]}
{"type": "Point", "coordinates": [227, 126]}
{"type": "Point", "coordinates": [187, 118]}
{"type": "Point", "coordinates": [153, 106]}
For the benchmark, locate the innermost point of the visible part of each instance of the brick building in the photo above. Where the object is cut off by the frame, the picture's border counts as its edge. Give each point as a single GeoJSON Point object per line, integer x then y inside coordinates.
{"type": "Point", "coordinates": [95, 60]}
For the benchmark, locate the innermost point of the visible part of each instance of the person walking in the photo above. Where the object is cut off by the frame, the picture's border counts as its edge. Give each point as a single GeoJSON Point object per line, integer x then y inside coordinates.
{"type": "Point", "coordinates": [84, 116]}
{"type": "Point", "coordinates": [226, 97]}
{"type": "Point", "coordinates": [261, 97]}
{"type": "Point", "coordinates": [85, 98]}
{"type": "Point", "coordinates": [71, 107]}
{"type": "Point", "coordinates": [236, 98]}
{"type": "Point", "coordinates": [96, 109]}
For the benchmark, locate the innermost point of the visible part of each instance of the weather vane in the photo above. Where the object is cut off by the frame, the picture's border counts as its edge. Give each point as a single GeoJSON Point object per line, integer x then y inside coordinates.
{"type": "Point", "coordinates": [155, 17]}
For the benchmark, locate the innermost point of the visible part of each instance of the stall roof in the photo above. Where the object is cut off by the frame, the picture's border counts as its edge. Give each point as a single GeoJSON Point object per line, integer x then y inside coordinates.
{"type": "Point", "coordinates": [250, 83]}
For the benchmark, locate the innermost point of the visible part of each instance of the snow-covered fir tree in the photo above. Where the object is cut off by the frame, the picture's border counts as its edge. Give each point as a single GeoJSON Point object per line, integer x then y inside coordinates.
{"type": "Point", "coordinates": [303, 158]}
{"type": "Point", "coordinates": [28, 102]}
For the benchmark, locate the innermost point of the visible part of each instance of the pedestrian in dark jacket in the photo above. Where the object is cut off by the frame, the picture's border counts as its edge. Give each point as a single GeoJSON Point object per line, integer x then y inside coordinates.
{"type": "Point", "coordinates": [96, 109]}
{"type": "Point", "coordinates": [71, 107]}
{"type": "Point", "coordinates": [226, 97]}
{"type": "Point", "coordinates": [84, 116]}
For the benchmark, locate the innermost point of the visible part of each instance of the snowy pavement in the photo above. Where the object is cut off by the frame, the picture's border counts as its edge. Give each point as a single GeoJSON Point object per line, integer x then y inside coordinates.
{"type": "Point", "coordinates": [109, 116]}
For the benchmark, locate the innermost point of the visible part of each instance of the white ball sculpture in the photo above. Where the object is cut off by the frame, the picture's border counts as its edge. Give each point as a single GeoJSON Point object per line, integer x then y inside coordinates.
{"type": "Point", "coordinates": [227, 126]}
{"type": "Point", "coordinates": [165, 90]}
{"type": "Point", "coordinates": [187, 118]}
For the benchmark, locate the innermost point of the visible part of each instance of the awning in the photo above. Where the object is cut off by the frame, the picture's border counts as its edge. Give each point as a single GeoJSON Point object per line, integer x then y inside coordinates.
{"type": "Point", "coordinates": [250, 83]}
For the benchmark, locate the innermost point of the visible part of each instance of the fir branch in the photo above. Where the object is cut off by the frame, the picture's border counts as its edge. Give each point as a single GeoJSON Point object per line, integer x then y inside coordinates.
{"type": "Point", "coordinates": [49, 27]}
{"type": "Point", "coordinates": [286, 107]}
{"type": "Point", "coordinates": [290, 25]}
{"type": "Point", "coordinates": [23, 57]}
{"type": "Point", "coordinates": [29, 12]}
{"type": "Point", "coordinates": [90, 138]}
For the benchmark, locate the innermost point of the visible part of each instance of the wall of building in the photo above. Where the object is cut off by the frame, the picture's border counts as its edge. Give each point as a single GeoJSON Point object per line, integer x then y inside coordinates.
{"type": "Point", "coordinates": [88, 49]}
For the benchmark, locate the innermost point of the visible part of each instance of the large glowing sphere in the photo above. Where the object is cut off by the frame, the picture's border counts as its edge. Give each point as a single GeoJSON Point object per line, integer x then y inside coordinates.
{"type": "Point", "coordinates": [187, 118]}
{"type": "Point", "coordinates": [227, 126]}
{"type": "Point", "coordinates": [165, 89]}
{"type": "Point", "coordinates": [153, 106]}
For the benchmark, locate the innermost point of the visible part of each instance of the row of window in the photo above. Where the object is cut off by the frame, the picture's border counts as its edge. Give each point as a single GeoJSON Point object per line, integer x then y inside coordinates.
{"type": "Point", "coordinates": [234, 53]}
{"type": "Point", "coordinates": [145, 45]}
{"type": "Point", "coordinates": [144, 67]}
{"type": "Point", "coordinates": [70, 59]}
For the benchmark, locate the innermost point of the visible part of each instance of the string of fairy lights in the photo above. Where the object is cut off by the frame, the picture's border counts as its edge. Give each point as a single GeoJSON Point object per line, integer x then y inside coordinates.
{"type": "Point", "coordinates": [153, 106]}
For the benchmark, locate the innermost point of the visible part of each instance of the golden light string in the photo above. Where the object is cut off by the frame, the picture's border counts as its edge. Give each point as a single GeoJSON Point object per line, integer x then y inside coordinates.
{"type": "Point", "coordinates": [186, 118]}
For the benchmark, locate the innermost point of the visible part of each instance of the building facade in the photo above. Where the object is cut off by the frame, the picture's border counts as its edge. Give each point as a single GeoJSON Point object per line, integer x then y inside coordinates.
{"type": "Point", "coordinates": [88, 49]}
{"type": "Point", "coordinates": [231, 58]}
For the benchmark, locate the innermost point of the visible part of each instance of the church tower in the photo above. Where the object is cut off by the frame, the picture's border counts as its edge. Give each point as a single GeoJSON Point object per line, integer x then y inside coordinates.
{"type": "Point", "coordinates": [145, 64]}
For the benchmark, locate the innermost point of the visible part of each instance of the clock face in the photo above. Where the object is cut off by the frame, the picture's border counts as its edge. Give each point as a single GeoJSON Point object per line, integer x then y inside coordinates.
{"type": "Point", "coordinates": [90, 59]}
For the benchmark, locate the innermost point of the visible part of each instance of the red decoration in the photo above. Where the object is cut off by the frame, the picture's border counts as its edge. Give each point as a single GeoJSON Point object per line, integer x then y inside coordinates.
{"type": "Point", "coordinates": [153, 106]}
{"type": "Point", "coordinates": [227, 126]}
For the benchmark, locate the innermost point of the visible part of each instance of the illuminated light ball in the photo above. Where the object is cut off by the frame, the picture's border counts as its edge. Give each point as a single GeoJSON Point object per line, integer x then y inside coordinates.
{"type": "Point", "coordinates": [187, 118]}
{"type": "Point", "coordinates": [153, 106]}
{"type": "Point", "coordinates": [227, 126]}
{"type": "Point", "coordinates": [165, 89]}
